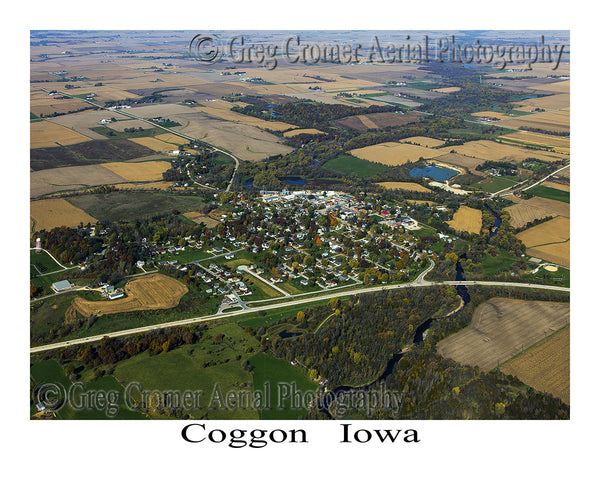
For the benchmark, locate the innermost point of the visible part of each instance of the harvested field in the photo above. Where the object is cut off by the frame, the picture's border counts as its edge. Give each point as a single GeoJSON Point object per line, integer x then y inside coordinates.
{"type": "Point", "coordinates": [409, 186]}
{"type": "Point", "coordinates": [121, 125]}
{"type": "Point", "coordinates": [447, 89]}
{"type": "Point", "coordinates": [381, 120]}
{"type": "Point", "coordinates": [537, 207]}
{"type": "Point", "coordinates": [57, 212]}
{"type": "Point", "coordinates": [551, 102]}
{"type": "Point", "coordinates": [145, 186]}
{"type": "Point", "coordinates": [557, 121]}
{"type": "Point", "coordinates": [111, 150]}
{"type": "Point", "coordinates": [399, 100]}
{"type": "Point", "coordinates": [423, 141]}
{"type": "Point", "coordinates": [466, 219]}
{"type": "Point", "coordinates": [559, 253]}
{"type": "Point", "coordinates": [559, 186]}
{"type": "Point", "coordinates": [553, 231]}
{"type": "Point", "coordinates": [70, 178]}
{"type": "Point", "coordinates": [393, 153]}
{"type": "Point", "coordinates": [558, 87]}
{"type": "Point", "coordinates": [84, 122]}
{"type": "Point", "coordinates": [150, 292]}
{"type": "Point", "coordinates": [221, 109]}
{"type": "Point", "coordinates": [139, 172]}
{"type": "Point", "coordinates": [559, 144]}
{"type": "Point", "coordinates": [489, 150]}
{"type": "Point", "coordinates": [155, 144]}
{"type": "Point", "coordinates": [502, 328]}
{"type": "Point", "coordinates": [545, 366]}
{"type": "Point", "coordinates": [175, 140]}
{"type": "Point", "coordinates": [201, 218]}
{"type": "Point", "coordinates": [461, 161]}
{"type": "Point", "coordinates": [47, 134]}
{"type": "Point", "coordinates": [42, 104]}
{"type": "Point", "coordinates": [302, 131]}
{"type": "Point", "coordinates": [492, 114]}
{"type": "Point", "coordinates": [414, 92]}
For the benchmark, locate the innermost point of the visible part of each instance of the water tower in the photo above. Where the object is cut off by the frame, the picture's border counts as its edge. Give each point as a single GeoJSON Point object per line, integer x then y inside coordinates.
{"type": "Point", "coordinates": [38, 245]}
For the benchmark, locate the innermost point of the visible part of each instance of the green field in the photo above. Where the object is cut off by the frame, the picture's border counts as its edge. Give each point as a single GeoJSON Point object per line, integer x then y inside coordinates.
{"type": "Point", "coordinates": [290, 388]}
{"type": "Point", "coordinates": [500, 263]}
{"type": "Point", "coordinates": [210, 366]}
{"type": "Point", "coordinates": [49, 372]}
{"type": "Point", "coordinates": [42, 263]}
{"type": "Point", "coordinates": [495, 184]}
{"type": "Point", "coordinates": [119, 206]}
{"type": "Point", "coordinates": [349, 165]}
{"type": "Point", "coordinates": [551, 193]}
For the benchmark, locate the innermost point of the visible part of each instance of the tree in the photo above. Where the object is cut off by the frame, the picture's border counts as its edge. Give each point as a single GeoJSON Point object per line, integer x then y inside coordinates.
{"type": "Point", "coordinates": [300, 316]}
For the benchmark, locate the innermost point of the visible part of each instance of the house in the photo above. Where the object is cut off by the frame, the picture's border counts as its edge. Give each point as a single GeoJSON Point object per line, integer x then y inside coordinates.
{"type": "Point", "coordinates": [115, 295]}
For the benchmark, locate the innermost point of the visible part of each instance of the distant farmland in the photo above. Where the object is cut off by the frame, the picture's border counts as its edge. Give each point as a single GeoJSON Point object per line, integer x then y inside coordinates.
{"type": "Point", "coordinates": [502, 328]}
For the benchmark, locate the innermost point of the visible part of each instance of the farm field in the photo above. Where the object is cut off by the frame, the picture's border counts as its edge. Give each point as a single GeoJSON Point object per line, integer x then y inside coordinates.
{"type": "Point", "coordinates": [393, 153]}
{"type": "Point", "coordinates": [150, 292]}
{"type": "Point", "coordinates": [556, 121]}
{"type": "Point", "coordinates": [409, 186]}
{"type": "Point", "coordinates": [155, 144]}
{"type": "Point", "coordinates": [551, 102]}
{"type": "Point", "coordinates": [128, 205]}
{"type": "Point", "coordinates": [84, 122]}
{"type": "Point", "coordinates": [461, 161]}
{"type": "Point", "coordinates": [201, 218]}
{"type": "Point", "coordinates": [501, 328]}
{"type": "Point", "coordinates": [543, 191]}
{"type": "Point", "coordinates": [139, 172]}
{"type": "Point", "coordinates": [423, 141]}
{"type": "Point", "coordinates": [70, 178]}
{"type": "Point", "coordinates": [492, 114]}
{"type": "Point", "coordinates": [362, 123]}
{"type": "Point", "coordinates": [47, 134]}
{"type": "Point", "coordinates": [447, 89]}
{"type": "Point", "coordinates": [302, 131]}
{"type": "Point", "coordinates": [42, 104]}
{"type": "Point", "coordinates": [56, 212]}
{"type": "Point", "coordinates": [466, 219]}
{"type": "Point", "coordinates": [350, 165]}
{"type": "Point", "coordinates": [545, 366]}
{"type": "Point", "coordinates": [489, 150]}
{"type": "Point", "coordinates": [146, 186]}
{"type": "Point", "coordinates": [559, 144]}
{"type": "Point", "coordinates": [549, 240]}
{"type": "Point", "coordinates": [557, 186]}
{"type": "Point", "coordinates": [557, 87]}
{"type": "Point", "coordinates": [222, 110]}
{"type": "Point", "coordinates": [537, 207]}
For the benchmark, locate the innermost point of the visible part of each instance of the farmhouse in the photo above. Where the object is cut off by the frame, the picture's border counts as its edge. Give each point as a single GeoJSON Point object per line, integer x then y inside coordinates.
{"type": "Point", "coordinates": [61, 286]}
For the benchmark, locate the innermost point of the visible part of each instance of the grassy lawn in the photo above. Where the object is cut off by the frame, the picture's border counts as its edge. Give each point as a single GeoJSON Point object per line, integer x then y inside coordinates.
{"type": "Point", "coordinates": [494, 184]}
{"type": "Point", "coordinates": [497, 264]}
{"type": "Point", "coordinates": [284, 380]}
{"type": "Point", "coordinates": [349, 165]}
{"type": "Point", "coordinates": [207, 366]}
{"type": "Point", "coordinates": [551, 193]}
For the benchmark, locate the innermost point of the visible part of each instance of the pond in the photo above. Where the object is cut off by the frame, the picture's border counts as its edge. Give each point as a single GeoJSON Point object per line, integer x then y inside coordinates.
{"type": "Point", "coordinates": [435, 172]}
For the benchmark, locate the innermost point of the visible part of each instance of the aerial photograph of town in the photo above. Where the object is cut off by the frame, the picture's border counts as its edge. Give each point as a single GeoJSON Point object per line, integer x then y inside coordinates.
{"type": "Point", "coordinates": [299, 225]}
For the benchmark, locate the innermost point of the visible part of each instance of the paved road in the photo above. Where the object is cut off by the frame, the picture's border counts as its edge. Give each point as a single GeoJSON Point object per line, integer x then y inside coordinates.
{"type": "Point", "coordinates": [420, 282]}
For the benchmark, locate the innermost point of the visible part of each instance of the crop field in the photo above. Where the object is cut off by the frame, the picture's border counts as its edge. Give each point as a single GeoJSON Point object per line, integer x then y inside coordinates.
{"type": "Point", "coordinates": [545, 366]}
{"type": "Point", "coordinates": [129, 205]}
{"type": "Point", "coordinates": [349, 165]}
{"type": "Point", "coordinates": [140, 171]}
{"type": "Point", "coordinates": [557, 87]}
{"type": "Point", "coordinates": [559, 144]}
{"type": "Point", "coordinates": [557, 121]}
{"type": "Point", "coordinates": [201, 218]}
{"type": "Point", "coordinates": [447, 89]}
{"type": "Point", "coordinates": [492, 114]}
{"type": "Point", "coordinates": [70, 178]}
{"type": "Point", "coordinates": [57, 212]}
{"type": "Point", "coordinates": [459, 160]}
{"type": "Point", "coordinates": [222, 110]}
{"type": "Point", "coordinates": [560, 195]}
{"type": "Point", "coordinates": [380, 120]}
{"type": "Point", "coordinates": [110, 150]}
{"type": "Point", "coordinates": [47, 134]}
{"type": "Point", "coordinates": [84, 122]}
{"type": "Point", "coordinates": [466, 219]}
{"type": "Point", "coordinates": [154, 144]}
{"type": "Point", "coordinates": [150, 292]}
{"type": "Point", "coordinates": [501, 328]}
{"type": "Point", "coordinates": [549, 240]}
{"type": "Point", "coordinates": [146, 186]}
{"type": "Point", "coordinates": [409, 186]}
{"type": "Point", "coordinates": [121, 125]}
{"type": "Point", "coordinates": [302, 131]}
{"type": "Point", "coordinates": [557, 186]}
{"type": "Point", "coordinates": [393, 153]}
{"type": "Point", "coordinates": [551, 102]}
{"type": "Point", "coordinates": [489, 150]}
{"type": "Point", "coordinates": [527, 210]}
{"type": "Point", "coordinates": [423, 141]}
{"type": "Point", "coordinates": [43, 104]}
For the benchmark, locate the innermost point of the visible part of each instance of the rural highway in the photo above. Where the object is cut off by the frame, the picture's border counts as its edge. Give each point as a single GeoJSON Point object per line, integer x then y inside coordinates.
{"type": "Point", "coordinates": [419, 282]}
